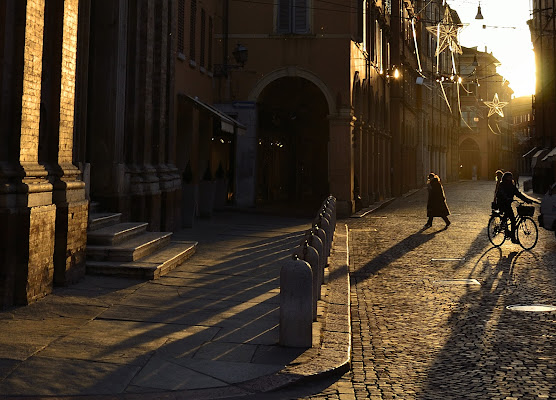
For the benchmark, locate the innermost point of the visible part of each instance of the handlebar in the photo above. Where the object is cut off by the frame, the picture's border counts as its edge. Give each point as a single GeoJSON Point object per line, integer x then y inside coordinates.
{"type": "Point", "coordinates": [522, 203]}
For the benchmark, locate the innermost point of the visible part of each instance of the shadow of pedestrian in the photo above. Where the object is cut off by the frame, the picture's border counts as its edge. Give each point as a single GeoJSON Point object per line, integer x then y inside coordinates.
{"type": "Point", "coordinates": [397, 251]}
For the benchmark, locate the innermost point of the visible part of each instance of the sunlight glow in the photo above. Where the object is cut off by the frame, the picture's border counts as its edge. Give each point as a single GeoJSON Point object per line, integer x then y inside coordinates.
{"type": "Point", "coordinates": [505, 33]}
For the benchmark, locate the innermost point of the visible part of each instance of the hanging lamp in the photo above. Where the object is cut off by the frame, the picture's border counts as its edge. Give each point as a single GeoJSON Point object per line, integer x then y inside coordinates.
{"type": "Point", "coordinates": [479, 14]}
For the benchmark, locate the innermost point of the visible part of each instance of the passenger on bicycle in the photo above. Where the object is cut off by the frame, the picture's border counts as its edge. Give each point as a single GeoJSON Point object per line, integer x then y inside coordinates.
{"type": "Point", "coordinates": [499, 175]}
{"type": "Point", "coordinates": [505, 196]}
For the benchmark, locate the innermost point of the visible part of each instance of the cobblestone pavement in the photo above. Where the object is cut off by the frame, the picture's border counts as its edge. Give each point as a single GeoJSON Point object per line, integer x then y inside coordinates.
{"type": "Point", "coordinates": [421, 330]}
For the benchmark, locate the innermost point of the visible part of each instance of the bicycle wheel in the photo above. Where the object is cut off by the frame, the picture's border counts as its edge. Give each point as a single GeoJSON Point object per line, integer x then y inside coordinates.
{"type": "Point", "coordinates": [496, 231]}
{"type": "Point", "coordinates": [527, 233]}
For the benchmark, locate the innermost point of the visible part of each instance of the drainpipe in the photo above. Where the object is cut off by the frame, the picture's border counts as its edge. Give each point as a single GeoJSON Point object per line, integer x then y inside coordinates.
{"type": "Point", "coordinates": [226, 33]}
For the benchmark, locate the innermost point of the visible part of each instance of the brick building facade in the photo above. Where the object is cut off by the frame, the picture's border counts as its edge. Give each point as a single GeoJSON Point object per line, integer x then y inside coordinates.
{"type": "Point", "coordinates": [86, 114]}
{"type": "Point", "coordinates": [43, 210]}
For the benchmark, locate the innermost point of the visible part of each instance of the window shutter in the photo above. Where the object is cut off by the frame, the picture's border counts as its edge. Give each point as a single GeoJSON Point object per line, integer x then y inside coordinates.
{"type": "Point", "coordinates": [284, 9]}
{"type": "Point", "coordinates": [209, 50]}
{"type": "Point", "coordinates": [203, 38]}
{"type": "Point", "coordinates": [192, 29]}
{"type": "Point", "coordinates": [300, 14]}
{"type": "Point", "coordinates": [181, 26]}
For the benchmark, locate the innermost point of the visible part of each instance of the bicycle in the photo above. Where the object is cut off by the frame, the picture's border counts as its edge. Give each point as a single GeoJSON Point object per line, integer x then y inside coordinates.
{"type": "Point", "coordinates": [526, 231]}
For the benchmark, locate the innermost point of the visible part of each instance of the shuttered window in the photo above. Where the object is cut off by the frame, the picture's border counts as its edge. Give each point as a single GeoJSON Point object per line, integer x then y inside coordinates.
{"type": "Point", "coordinates": [293, 16]}
{"type": "Point", "coordinates": [192, 29]}
{"type": "Point", "coordinates": [209, 45]}
{"type": "Point", "coordinates": [181, 26]}
{"type": "Point", "coordinates": [203, 38]}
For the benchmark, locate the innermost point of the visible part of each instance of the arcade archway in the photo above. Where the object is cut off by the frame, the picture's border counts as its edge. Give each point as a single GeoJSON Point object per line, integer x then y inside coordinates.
{"type": "Point", "coordinates": [470, 159]}
{"type": "Point", "coordinates": [292, 152]}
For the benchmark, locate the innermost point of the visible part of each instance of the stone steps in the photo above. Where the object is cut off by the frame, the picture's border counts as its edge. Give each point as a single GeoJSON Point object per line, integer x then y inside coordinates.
{"type": "Point", "coordinates": [150, 267]}
{"type": "Point", "coordinates": [100, 220]}
{"type": "Point", "coordinates": [116, 234]}
{"type": "Point", "coordinates": [127, 249]}
{"type": "Point", "coordinates": [130, 250]}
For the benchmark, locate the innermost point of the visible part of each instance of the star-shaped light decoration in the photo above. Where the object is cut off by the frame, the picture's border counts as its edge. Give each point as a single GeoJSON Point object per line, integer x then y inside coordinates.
{"type": "Point", "coordinates": [447, 34]}
{"type": "Point", "coordinates": [495, 106]}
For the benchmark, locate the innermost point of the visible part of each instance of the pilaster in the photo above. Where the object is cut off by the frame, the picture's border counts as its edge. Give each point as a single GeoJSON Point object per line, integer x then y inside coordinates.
{"type": "Point", "coordinates": [342, 161]}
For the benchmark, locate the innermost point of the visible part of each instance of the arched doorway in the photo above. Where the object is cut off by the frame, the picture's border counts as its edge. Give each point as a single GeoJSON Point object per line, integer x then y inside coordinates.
{"type": "Point", "coordinates": [292, 152]}
{"type": "Point", "coordinates": [470, 159]}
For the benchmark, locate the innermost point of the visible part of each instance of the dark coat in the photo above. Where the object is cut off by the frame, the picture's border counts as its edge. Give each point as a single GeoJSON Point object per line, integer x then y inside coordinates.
{"type": "Point", "coordinates": [505, 195]}
{"type": "Point", "coordinates": [436, 203]}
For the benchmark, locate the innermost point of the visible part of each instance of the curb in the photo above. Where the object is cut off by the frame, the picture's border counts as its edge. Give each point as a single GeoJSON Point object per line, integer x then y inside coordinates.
{"type": "Point", "coordinates": [334, 354]}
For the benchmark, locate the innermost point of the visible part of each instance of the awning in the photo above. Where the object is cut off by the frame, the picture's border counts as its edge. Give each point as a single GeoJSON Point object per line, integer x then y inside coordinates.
{"type": "Point", "coordinates": [227, 124]}
{"type": "Point", "coordinates": [550, 155]}
{"type": "Point", "coordinates": [529, 152]}
{"type": "Point", "coordinates": [538, 160]}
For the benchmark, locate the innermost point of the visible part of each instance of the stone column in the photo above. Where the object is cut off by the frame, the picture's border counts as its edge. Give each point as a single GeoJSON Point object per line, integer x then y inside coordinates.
{"type": "Point", "coordinates": [145, 184]}
{"type": "Point", "coordinates": [366, 166]}
{"type": "Point", "coordinates": [374, 163]}
{"type": "Point", "coordinates": [170, 131]}
{"type": "Point", "coordinates": [55, 149]}
{"type": "Point", "coordinates": [69, 190]}
{"type": "Point", "coordinates": [27, 215]}
{"type": "Point", "coordinates": [107, 105]}
{"type": "Point", "coordinates": [341, 166]}
{"type": "Point", "coordinates": [246, 157]}
{"type": "Point", "coordinates": [167, 174]}
{"type": "Point", "coordinates": [357, 160]}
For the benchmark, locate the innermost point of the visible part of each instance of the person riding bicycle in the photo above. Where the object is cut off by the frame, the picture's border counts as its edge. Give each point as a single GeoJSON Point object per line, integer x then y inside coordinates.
{"type": "Point", "coordinates": [504, 198]}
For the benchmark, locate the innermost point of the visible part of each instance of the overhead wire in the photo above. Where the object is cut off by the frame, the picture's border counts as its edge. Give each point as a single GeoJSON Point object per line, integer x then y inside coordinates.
{"type": "Point", "coordinates": [354, 10]}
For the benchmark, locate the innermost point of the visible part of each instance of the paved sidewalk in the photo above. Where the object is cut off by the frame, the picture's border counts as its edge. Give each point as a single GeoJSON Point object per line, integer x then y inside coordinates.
{"type": "Point", "coordinates": [208, 329]}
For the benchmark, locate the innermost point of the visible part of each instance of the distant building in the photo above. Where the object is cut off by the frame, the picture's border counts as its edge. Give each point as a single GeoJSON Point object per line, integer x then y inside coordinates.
{"type": "Point", "coordinates": [486, 140]}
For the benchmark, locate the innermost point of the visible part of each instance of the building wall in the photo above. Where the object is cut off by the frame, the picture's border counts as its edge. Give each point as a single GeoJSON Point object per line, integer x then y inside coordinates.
{"type": "Point", "coordinates": [493, 134]}
{"type": "Point", "coordinates": [328, 55]}
{"type": "Point", "coordinates": [131, 148]}
{"type": "Point", "coordinates": [542, 27]}
{"type": "Point", "coordinates": [40, 185]}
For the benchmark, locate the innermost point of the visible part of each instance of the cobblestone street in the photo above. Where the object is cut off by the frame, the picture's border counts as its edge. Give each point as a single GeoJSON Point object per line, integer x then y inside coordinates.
{"type": "Point", "coordinates": [429, 307]}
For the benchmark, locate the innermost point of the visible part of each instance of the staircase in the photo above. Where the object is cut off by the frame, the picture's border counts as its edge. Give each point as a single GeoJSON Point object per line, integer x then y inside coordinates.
{"type": "Point", "coordinates": [126, 248]}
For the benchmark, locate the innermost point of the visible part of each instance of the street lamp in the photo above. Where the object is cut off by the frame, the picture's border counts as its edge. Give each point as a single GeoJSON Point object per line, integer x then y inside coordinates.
{"type": "Point", "coordinates": [240, 54]}
{"type": "Point", "coordinates": [479, 14]}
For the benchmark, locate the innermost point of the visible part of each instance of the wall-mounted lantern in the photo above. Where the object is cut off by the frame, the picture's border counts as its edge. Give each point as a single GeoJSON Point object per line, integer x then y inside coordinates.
{"type": "Point", "coordinates": [240, 54]}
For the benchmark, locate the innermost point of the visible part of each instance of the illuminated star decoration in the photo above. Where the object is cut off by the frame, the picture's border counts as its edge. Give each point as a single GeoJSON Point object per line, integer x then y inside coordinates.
{"type": "Point", "coordinates": [447, 33]}
{"type": "Point", "coordinates": [495, 106]}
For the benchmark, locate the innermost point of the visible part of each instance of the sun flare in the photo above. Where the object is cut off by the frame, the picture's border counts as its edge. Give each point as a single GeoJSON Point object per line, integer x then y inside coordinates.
{"type": "Point", "coordinates": [505, 33]}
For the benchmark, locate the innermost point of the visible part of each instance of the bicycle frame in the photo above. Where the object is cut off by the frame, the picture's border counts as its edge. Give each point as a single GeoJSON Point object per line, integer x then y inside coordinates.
{"type": "Point", "coordinates": [525, 231]}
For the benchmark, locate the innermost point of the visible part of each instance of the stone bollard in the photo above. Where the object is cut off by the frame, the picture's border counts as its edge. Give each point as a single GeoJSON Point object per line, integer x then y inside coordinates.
{"type": "Point", "coordinates": [315, 242]}
{"type": "Point", "coordinates": [328, 216]}
{"type": "Point", "coordinates": [311, 255]}
{"type": "Point", "coordinates": [331, 210]}
{"type": "Point", "coordinates": [321, 234]}
{"type": "Point", "coordinates": [324, 223]}
{"type": "Point", "coordinates": [331, 204]}
{"type": "Point", "coordinates": [296, 297]}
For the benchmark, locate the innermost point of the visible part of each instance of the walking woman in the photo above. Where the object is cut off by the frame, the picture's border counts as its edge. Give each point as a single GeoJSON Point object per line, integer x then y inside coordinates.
{"type": "Point", "coordinates": [436, 203]}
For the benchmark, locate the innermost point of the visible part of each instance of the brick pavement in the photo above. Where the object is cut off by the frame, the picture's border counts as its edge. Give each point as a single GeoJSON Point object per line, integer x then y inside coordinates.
{"type": "Point", "coordinates": [419, 335]}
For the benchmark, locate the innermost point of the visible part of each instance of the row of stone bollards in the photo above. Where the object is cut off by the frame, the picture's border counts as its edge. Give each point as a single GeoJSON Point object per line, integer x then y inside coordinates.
{"type": "Point", "coordinates": [302, 276]}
